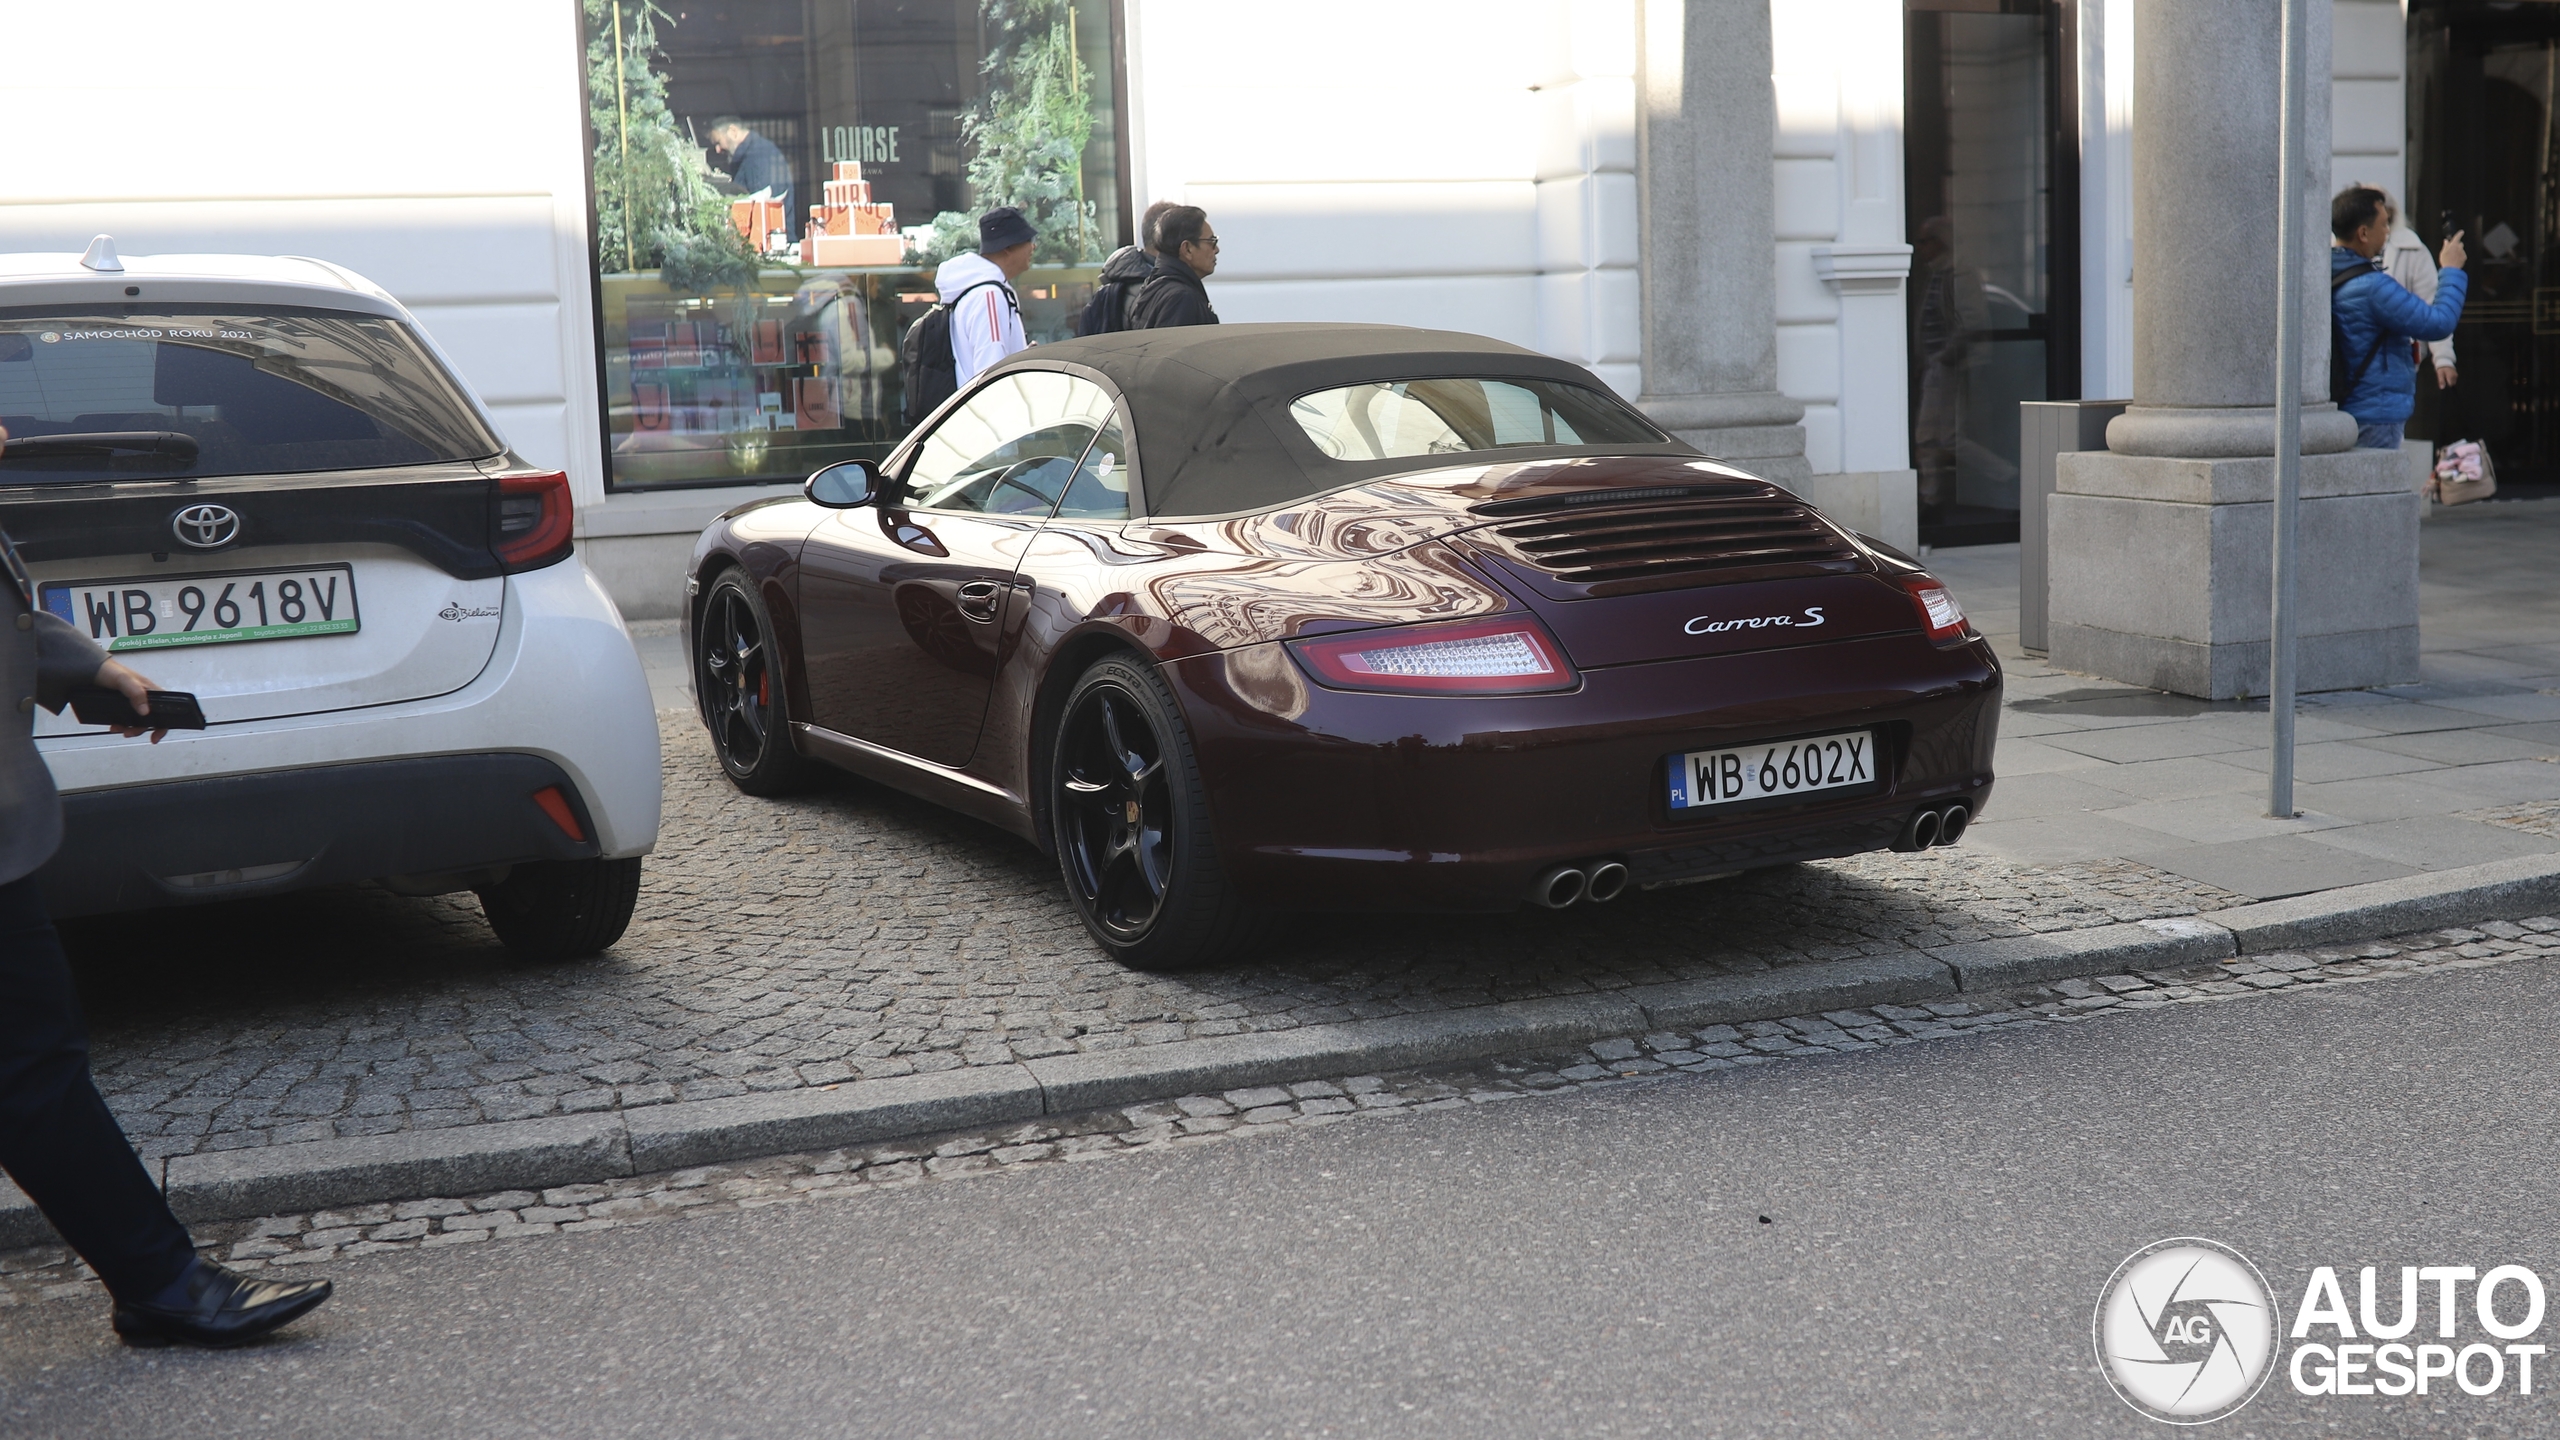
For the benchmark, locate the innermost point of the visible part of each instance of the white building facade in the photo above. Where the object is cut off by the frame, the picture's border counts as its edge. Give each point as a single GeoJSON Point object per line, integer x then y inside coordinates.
{"type": "Point", "coordinates": [1478, 165]}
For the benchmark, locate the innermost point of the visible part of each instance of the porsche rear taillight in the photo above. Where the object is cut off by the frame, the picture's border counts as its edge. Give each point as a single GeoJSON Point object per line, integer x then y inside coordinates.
{"type": "Point", "coordinates": [529, 520]}
{"type": "Point", "coordinates": [1508, 655]}
{"type": "Point", "coordinates": [1940, 615]}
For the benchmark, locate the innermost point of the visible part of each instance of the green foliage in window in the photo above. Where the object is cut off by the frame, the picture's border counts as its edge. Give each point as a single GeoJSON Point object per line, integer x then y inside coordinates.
{"type": "Point", "coordinates": [1027, 136]}
{"type": "Point", "coordinates": [953, 232]}
{"type": "Point", "coordinates": [655, 205]}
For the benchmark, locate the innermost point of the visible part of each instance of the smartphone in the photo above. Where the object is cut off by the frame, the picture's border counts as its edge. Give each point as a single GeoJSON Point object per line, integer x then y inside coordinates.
{"type": "Point", "coordinates": [170, 709]}
{"type": "Point", "coordinates": [2446, 232]}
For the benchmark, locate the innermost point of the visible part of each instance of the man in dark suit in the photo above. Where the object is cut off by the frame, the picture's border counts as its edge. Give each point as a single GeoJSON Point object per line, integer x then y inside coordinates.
{"type": "Point", "coordinates": [58, 1140]}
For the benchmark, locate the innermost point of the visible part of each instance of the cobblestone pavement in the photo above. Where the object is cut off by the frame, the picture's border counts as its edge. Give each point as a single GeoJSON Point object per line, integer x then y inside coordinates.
{"type": "Point", "coordinates": [854, 933]}
{"type": "Point", "coordinates": [49, 1272]}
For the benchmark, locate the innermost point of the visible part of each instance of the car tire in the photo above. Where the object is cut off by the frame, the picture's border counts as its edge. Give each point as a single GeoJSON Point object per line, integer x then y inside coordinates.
{"type": "Point", "coordinates": [733, 673]}
{"type": "Point", "coordinates": [1130, 819]}
{"type": "Point", "coordinates": [563, 909]}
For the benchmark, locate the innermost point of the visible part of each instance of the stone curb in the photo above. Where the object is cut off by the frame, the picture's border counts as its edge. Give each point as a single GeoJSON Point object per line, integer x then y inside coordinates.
{"type": "Point", "coordinates": [2022, 960]}
{"type": "Point", "coordinates": [2431, 900]}
{"type": "Point", "coordinates": [785, 1122]}
{"type": "Point", "coordinates": [536, 1154]}
{"type": "Point", "coordinates": [509, 1155]}
{"type": "Point", "coordinates": [1099, 1080]}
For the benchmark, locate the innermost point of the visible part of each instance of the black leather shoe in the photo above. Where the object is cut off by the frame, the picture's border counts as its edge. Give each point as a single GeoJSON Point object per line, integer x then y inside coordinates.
{"type": "Point", "coordinates": [223, 1308]}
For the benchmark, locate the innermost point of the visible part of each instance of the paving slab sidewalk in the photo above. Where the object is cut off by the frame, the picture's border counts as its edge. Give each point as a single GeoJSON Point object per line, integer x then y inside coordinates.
{"type": "Point", "coordinates": [2460, 768]}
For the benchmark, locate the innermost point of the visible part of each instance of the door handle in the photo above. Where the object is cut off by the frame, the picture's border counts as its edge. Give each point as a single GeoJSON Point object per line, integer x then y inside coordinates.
{"type": "Point", "coordinates": [978, 598]}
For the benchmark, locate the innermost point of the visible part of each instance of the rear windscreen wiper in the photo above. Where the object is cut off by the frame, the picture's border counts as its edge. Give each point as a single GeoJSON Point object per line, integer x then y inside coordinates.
{"type": "Point", "coordinates": [101, 442]}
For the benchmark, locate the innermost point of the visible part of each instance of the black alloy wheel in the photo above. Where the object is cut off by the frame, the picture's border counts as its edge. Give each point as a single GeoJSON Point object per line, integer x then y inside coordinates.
{"type": "Point", "coordinates": [1131, 822]}
{"type": "Point", "coordinates": [740, 691]}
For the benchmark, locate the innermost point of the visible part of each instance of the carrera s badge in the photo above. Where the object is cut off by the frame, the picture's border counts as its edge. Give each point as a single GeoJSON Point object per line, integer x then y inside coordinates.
{"type": "Point", "coordinates": [1709, 625]}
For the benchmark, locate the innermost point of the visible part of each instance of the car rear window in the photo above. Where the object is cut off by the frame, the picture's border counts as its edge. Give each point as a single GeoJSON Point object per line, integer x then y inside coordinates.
{"type": "Point", "coordinates": [1398, 419]}
{"type": "Point", "coordinates": [91, 394]}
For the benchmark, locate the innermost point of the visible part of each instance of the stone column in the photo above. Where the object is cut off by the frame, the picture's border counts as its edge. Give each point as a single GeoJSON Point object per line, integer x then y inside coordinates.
{"type": "Point", "coordinates": [2159, 544]}
{"type": "Point", "coordinates": [1705, 162]}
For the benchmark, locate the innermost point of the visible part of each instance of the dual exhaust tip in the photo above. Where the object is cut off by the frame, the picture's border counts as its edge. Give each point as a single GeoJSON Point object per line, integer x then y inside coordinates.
{"type": "Point", "coordinates": [1601, 881]}
{"type": "Point", "coordinates": [1598, 881]}
{"type": "Point", "coordinates": [1941, 826]}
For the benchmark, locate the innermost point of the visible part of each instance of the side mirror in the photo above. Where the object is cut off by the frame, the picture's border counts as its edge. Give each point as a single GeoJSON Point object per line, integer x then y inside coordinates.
{"type": "Point", "coordinates": [848, 485]}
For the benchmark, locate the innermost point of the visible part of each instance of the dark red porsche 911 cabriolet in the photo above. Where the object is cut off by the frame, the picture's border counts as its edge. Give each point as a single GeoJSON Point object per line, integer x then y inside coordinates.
{"type": "Point", "coordinates": [1338, 617]}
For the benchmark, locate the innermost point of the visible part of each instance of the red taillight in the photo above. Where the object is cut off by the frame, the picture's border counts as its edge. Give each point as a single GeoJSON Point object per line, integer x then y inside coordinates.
{"type": "Point", "coordinates": [529, 520]}
{"type": "Point", "coordinates": [1940, 615]}
{"type": "Point", "coordinates": [1506, 655]}
{"type": "Point", "coordinates": [556, 805]}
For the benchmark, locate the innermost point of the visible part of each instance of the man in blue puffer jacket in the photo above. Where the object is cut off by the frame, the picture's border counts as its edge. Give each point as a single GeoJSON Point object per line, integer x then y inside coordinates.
{"type": "Point", "coordinates": [2377, 318]}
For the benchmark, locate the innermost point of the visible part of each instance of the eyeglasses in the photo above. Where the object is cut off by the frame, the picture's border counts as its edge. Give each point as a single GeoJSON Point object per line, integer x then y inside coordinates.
{"type": "Point", "coordinates": [1209, 240]}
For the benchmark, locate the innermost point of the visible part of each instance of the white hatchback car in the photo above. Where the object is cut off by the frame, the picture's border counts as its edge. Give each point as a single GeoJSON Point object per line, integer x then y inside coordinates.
{"type": "Point", "coordinates": [256, 479]}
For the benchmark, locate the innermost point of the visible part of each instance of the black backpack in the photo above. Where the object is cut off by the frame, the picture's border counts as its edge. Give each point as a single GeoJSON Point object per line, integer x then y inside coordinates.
{"type": "Point", "coordinates": [1108, 310]}
{"type": "Point", "coordinates": [926, 369]}
{"type": "Point", "coordinates": [2342, 383]}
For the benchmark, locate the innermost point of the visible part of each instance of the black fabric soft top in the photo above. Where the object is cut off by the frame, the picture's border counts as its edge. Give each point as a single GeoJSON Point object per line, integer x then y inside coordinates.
{"type": "Point", "coordinates": [1211, 403]}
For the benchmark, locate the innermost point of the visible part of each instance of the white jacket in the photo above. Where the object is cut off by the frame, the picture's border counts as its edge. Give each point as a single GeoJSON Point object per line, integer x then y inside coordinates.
{"type": "Point", "coordinates": [2406, 257]}
{"type": "Point", "coordinates": [988, 325]}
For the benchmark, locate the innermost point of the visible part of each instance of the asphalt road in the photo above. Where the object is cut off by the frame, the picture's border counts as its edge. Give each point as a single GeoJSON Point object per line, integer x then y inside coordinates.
{"type": "Point", "coordinates": [1940, 1219]}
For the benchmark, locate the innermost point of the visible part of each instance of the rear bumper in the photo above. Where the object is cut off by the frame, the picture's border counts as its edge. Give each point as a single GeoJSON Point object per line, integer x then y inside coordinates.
{"type": "Point", "coordinates": [1329, 800]}
{"type": "Point", "coordinates": [563, 683]}
{"type": "Point", "coordinates": [190, 841]}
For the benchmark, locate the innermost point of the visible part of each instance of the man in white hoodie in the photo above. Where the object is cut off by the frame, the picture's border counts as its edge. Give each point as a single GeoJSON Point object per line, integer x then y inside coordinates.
{"type": "Point", "coordinates": [986, 316]}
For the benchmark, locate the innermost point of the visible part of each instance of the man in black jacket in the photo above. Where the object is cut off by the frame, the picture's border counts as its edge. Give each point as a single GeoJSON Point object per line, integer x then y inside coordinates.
{"type": "Point", "coordinates": [1115, 291]}
{"type": "Point", "coordinates": [58, 1140]}
{"type": "Point", "coordinates": [757, 164]}
{"type": "Point", "coordinates": [1186, 254]}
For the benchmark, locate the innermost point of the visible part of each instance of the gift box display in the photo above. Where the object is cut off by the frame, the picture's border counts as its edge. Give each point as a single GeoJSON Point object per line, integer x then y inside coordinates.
{"type": "Point", "coordinates": [814, 403]}
{"type": "Point", "coordinates": [759, 218]}
{"type": "Point", "coordinates": [850, 229]}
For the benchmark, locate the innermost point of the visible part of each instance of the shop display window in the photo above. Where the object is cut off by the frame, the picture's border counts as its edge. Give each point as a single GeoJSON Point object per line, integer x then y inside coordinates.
{"type": "Point", "coordinates": [775, 182]}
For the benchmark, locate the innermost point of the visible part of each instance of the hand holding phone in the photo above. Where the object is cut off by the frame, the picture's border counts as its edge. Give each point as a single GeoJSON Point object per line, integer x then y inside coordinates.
{"type": "Point", "coordinates": [170, 709]}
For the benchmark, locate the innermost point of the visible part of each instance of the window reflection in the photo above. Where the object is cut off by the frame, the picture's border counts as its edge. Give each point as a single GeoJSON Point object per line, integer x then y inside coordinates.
{"type": "Point", "coordinates": [1979, 187]}
{"type": "Point", "coordinates": [1390, 420]}
{"type": "Point", "coordinates": [1011, 449]}
{"type": "Point", "coordinates": [775, 181]}
{"type": "Point", "coordinates": [1101, 487]}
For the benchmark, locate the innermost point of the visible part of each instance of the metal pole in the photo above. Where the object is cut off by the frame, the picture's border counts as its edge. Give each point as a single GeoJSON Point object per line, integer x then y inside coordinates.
{"type": "Point", "coordinates": [2288, 477]}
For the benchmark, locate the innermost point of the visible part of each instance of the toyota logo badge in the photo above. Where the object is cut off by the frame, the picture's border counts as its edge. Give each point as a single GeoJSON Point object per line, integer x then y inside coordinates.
{"type": "Point", "coordinates": [206, 527]}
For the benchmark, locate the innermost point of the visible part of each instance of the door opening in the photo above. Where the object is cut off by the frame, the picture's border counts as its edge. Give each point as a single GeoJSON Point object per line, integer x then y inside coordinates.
{"type": "Point", "coordinates": [1991, 189]}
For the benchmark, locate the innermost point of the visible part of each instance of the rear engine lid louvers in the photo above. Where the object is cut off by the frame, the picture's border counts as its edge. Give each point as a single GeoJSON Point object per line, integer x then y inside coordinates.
{"type": "Point", "coordinates": [1626, 542]}
{"type": "Point", "coordinates": [1626, 577]}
